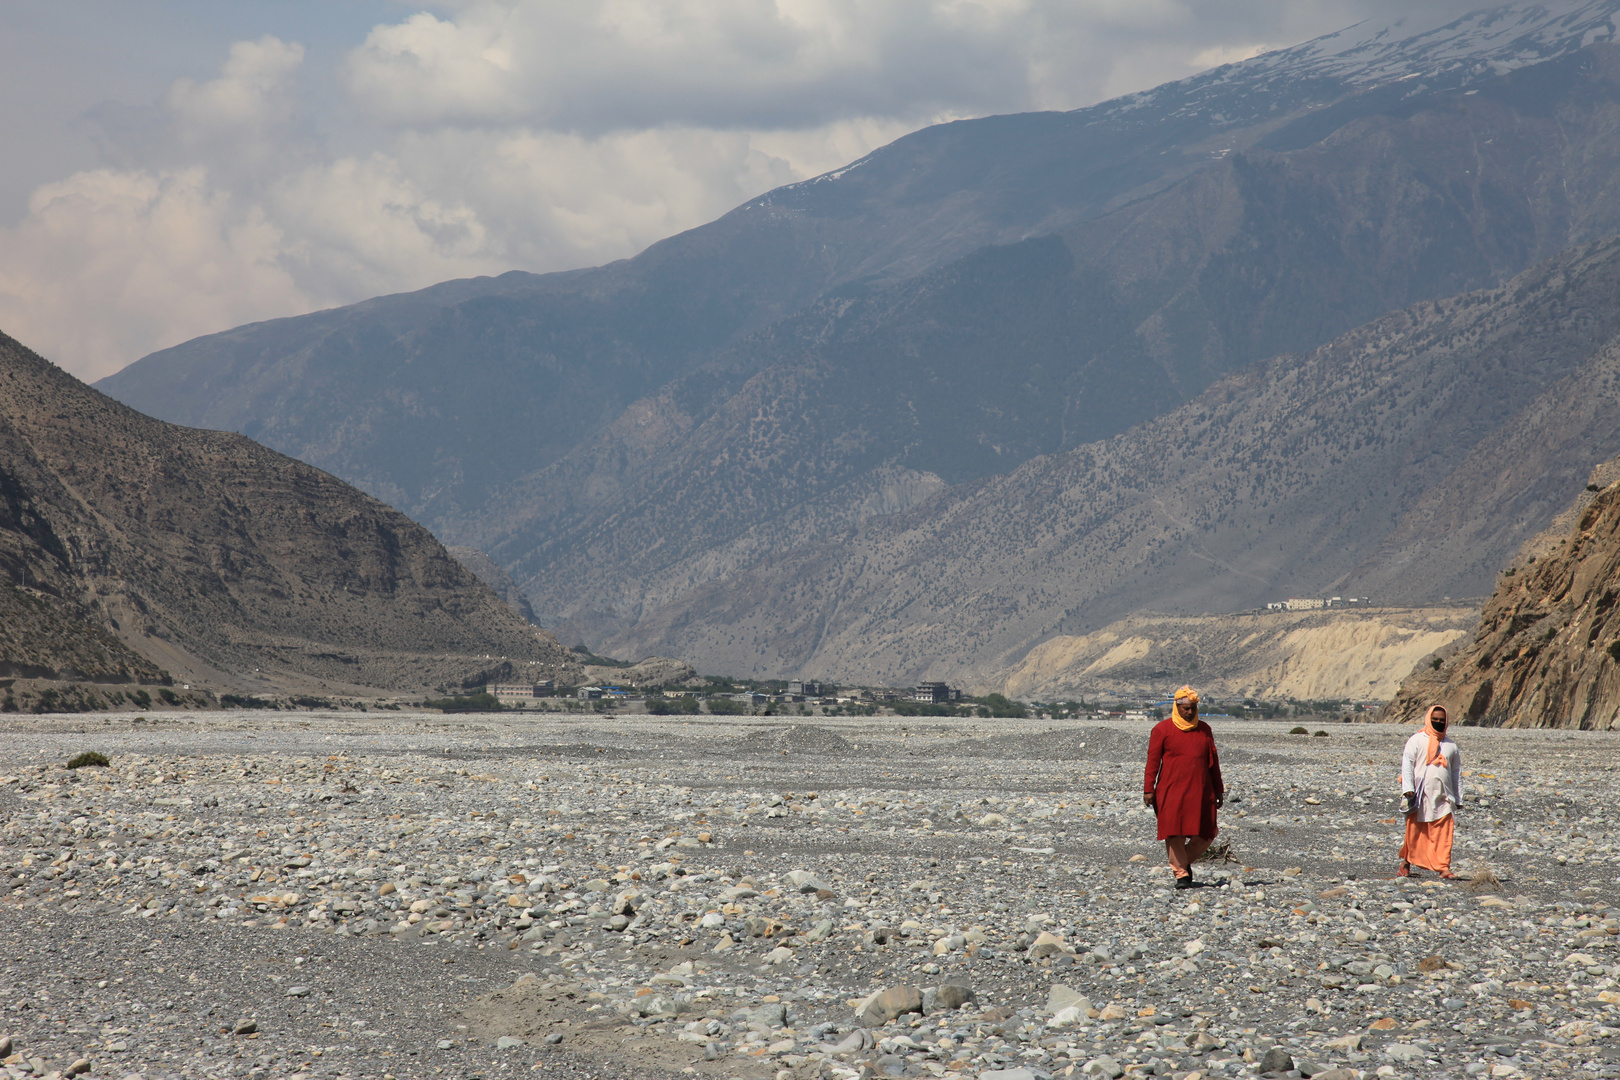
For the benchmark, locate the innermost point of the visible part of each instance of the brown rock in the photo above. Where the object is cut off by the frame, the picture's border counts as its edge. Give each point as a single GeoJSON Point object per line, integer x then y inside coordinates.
{"type": "Point", "coordinates": [215, 554]}
{"type": "Point", "coordinates": [1547, 649]}
{"type": "Point", "coordinates": [1046, 944]}
{"type": "Point", "coordinates": [890, 1003]}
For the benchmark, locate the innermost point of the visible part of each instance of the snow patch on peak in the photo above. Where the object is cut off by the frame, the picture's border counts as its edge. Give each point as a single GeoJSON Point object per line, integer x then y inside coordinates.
{"type": "Point", "coordinates": [1499, 38]}
{"type": "Point", "coordinates": [1482, 44]}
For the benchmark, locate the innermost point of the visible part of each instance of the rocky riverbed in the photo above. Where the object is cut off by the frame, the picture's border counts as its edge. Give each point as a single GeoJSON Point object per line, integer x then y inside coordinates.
{"type": "Point", "coordinates": [376, 895]}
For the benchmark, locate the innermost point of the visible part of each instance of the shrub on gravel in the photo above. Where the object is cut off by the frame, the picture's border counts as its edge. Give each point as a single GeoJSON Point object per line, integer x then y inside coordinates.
{"type": "Point", "coordinates": [247, 701]}
{"type": "Point", "coordinates": [1298, 731]}
{"type": "Point", "coordinates": [469, 703]}
{"type": "Point", "coordinates": [683, 705]}
{"type": "Point", "coordinates": [89, 757]}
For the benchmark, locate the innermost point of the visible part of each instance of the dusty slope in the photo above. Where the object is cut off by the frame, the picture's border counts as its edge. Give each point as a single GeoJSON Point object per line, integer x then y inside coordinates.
{"type": "Point", "coordinates": [1288, 478]}
{"type": "Point", "coordinates": [214, 557]}
{"type": "Point", "coordinates": [1547, 651]}
{"type": "Point", "coordinates": [1306, 655]}
{"type": "Point", "coordinates": [43, 637]}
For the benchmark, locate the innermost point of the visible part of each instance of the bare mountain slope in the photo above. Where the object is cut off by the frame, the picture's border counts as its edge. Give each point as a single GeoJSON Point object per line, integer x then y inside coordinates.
{"type": "Point", "coordinates": [1283, 478]}
{"type": "Point", "coordinates": [1059, 341]}
{"type": "Point", "coordinates": [214, 557]}
{"type": "Point", "coordinates": [42, 637]}
{"type": "Point", "coordinates": [439, 402]}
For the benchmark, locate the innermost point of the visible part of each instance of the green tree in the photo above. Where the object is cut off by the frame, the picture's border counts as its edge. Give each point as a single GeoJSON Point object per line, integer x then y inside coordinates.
{"type": "Point", "coordinates": [1000, 705]}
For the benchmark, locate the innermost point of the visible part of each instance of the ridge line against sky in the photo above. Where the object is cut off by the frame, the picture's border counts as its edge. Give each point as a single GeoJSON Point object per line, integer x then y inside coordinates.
{"type": "Point", "coordinates": [182, 167]}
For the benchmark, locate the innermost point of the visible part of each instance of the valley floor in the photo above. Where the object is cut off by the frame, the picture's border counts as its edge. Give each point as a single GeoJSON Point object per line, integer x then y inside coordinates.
{"type": "Point", "coordinates": [358, 895]}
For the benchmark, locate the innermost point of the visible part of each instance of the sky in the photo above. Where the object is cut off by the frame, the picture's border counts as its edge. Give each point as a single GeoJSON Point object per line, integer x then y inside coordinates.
{"type": "Point", "coordinates": [180, 167]}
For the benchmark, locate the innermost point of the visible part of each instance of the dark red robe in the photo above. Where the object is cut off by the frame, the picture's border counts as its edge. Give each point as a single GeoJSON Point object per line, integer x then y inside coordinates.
{"type": "Point", "coordinates": [1183, 776]}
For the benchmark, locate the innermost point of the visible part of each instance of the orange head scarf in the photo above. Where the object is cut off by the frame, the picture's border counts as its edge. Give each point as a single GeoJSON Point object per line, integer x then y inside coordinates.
{"type": "Point", "coordinates": [1435, 757]}
{"type": "Point", "coordinates": [1186, 693]}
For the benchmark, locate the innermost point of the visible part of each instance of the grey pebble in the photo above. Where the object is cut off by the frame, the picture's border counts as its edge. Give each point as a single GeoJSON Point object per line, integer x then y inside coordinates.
{"type": "Point", "coordinates": [1276, 1060]}
{"type": "Point", "coordinates": [1105, 1066]}
{"type": "Point", "coordinates": [517, 862]}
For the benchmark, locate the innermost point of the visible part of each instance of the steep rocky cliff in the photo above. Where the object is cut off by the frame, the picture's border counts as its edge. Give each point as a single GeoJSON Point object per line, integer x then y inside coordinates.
{"type": "Point", "coordinates": [492, 574]}
{"type": "Point", "coordinates": [1547, 651]}
{"type": "Point", "coordinates": [134, 547]}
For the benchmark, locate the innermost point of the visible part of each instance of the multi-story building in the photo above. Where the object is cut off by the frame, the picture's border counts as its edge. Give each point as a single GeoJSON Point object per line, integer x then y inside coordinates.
{"type": "Point", "coordinates": [935, 693]}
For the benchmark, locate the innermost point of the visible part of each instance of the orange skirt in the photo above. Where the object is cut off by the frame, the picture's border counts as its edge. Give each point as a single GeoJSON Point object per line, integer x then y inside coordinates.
{"type": "Point", "coordinates": [1428, 843]}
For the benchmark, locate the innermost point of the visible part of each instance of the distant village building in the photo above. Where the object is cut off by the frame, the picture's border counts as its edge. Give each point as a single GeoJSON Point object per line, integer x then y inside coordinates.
{"type": "Point", "coordinates": [589, 693]}
{"type": "Point", "coordinates": [523, 690]}
{"type": "Point", "coordinates": [935, 693]}
{"type": "Point", "coordinates": [806, 687]}
{"type": "Point", "coordinates": [520, 695]}
{"type": "Point", "coordinates": [1306, 603]}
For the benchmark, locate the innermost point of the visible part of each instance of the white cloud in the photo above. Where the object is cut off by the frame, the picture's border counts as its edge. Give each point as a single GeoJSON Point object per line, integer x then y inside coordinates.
{"type": "Point", "coordinates": [540, 135]}
{"type": "Point", "coordinates": [600, 65]}
{"type": "Point", "coordinates": [109, 262]}
{"type": "Point", "coordinates": [228, 209]}
{"type": "Point", "coordinates": [250, 93]}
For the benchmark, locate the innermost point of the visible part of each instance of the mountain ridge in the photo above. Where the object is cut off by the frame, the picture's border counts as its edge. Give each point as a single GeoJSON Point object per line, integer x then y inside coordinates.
{"type": "Point", "coordinates": [651, 502]}
{"type": "Point", "coordinates": [637, 439]}
{"type": "Point", "coordinates": [604, 337]}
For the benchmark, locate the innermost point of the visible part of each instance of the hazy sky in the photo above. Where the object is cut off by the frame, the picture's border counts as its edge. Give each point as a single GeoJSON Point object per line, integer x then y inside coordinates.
{"type": "Point", "coordinates": [177, 167]}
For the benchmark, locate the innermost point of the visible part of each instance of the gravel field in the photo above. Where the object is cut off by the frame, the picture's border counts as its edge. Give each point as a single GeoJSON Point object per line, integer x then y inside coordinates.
{"type": "Point", "coordinates": [404, 895]}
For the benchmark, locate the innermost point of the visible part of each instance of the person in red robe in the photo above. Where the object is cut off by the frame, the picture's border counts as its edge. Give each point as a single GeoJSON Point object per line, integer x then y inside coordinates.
{"type": "Point", "coordinates": [1183, 784]}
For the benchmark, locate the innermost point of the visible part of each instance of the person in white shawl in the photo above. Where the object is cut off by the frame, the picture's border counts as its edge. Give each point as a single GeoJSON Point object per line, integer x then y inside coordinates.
{"type": "Point", "coordinates": [1431, 787]}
